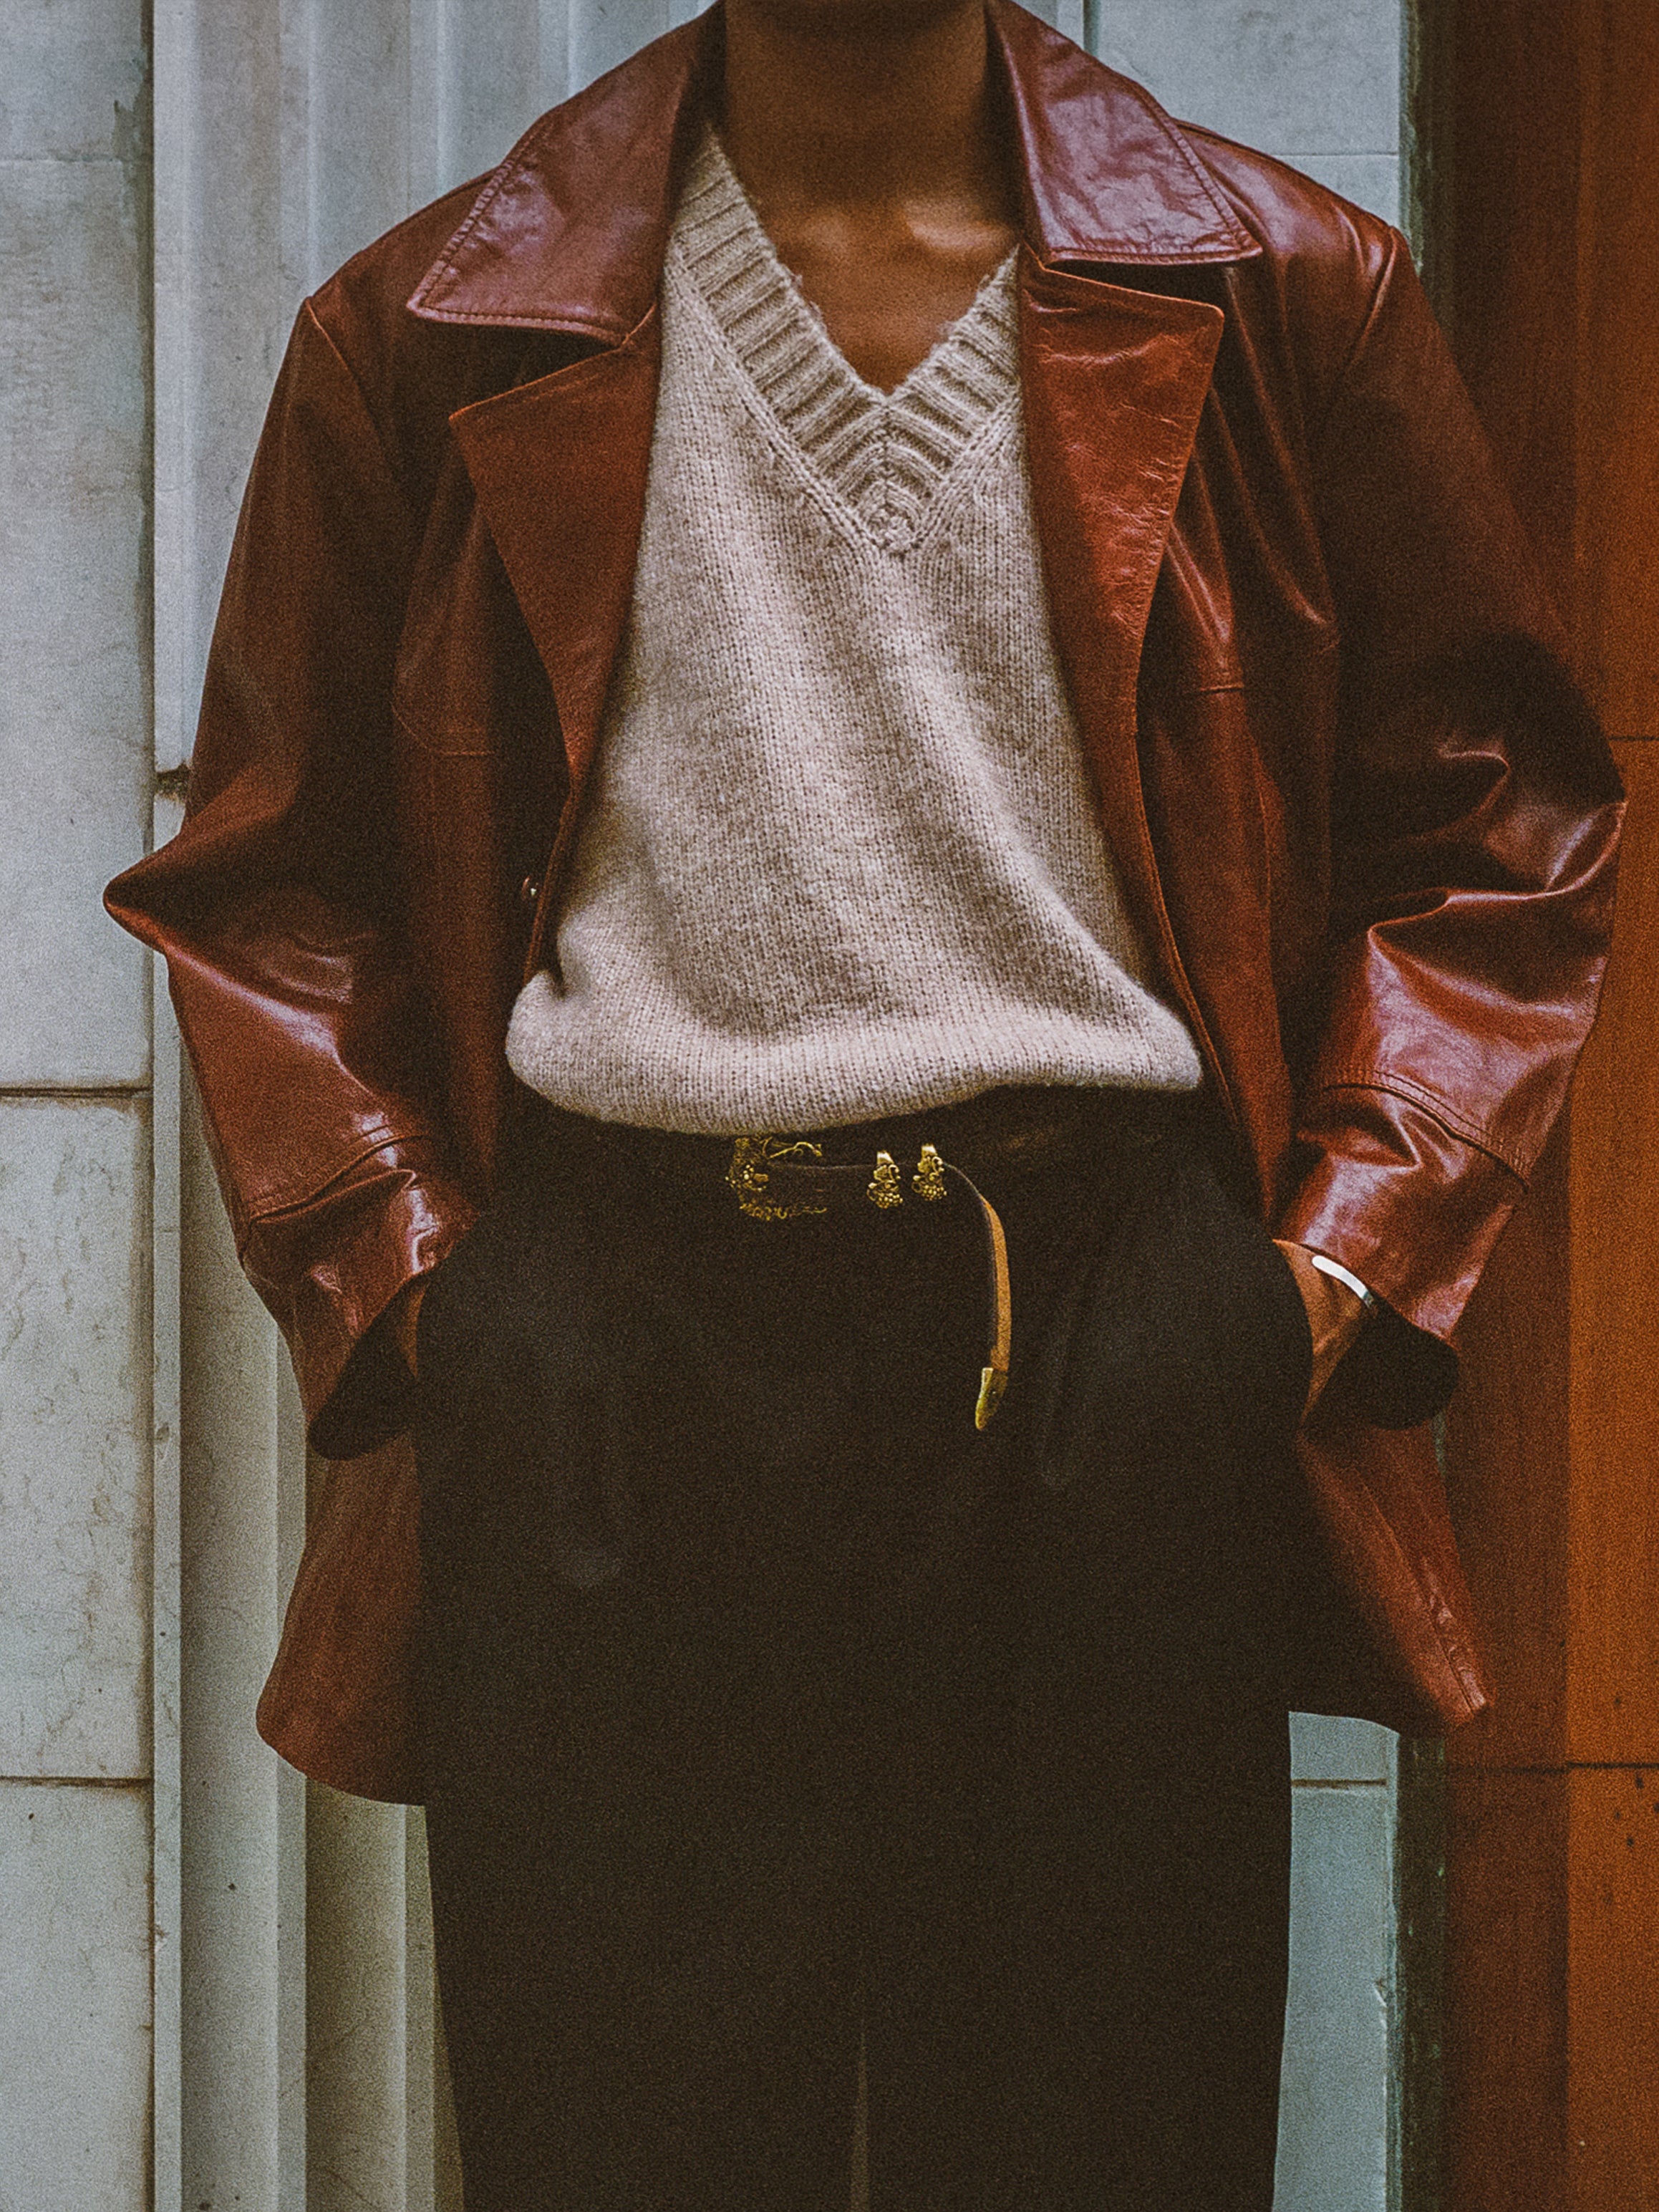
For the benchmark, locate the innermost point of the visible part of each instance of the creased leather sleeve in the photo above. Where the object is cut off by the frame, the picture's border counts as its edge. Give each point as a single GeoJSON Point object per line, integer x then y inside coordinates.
{"type": "Point", "coordinates": [277, 905]}
{"type": "Point", "coordinates": [1474, 824]}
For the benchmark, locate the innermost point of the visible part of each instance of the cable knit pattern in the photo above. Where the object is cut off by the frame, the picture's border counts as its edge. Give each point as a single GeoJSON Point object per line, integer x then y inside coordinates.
{"type": "Point", "coordinates": [842, 856]}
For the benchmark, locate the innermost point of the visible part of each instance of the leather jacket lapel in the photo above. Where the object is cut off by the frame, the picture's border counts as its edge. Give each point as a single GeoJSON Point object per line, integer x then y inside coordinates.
{"type": "Point", "coordinates": [1114, 384]}
{"type": "Point", "coordinates": [1107, 177]}
{"type": "Point", "coordinates": [559, 466]}
{"type": "Point", "coordinates": [568, 236]}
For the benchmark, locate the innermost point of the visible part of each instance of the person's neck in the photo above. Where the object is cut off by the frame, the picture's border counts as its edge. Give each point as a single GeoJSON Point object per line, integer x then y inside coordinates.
{"type": "Point", "coordinates": [857, 105]}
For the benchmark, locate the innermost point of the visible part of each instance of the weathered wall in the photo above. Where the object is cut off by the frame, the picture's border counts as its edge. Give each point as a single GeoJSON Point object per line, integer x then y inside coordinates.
{"type": "Point", "coordinates": [289, 2075]}
{"type": "Point", "coordinates": [74, 1456]}
{"type": "Point", "coordinates": [1315, 82]}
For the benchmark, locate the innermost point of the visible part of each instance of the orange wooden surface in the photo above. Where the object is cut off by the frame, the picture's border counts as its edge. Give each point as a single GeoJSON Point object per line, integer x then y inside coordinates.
{"type": "Point", "coordinates": [1514, 121]}
{"type": "Point", "coordinates": [1505, 2034]}
{"type": "Point", "coordinates": [1617, 515]}
{"type": "Point", "coordinates": [1550, 139]}
{"type": "Point", "coordinates": [1612, 1667]}
{"type": "Point", "coordinates": [1555, 1444]}
{"type": "Point", "coordinates": [1553, 2050]}
{"type": "Point", "coordinates": [1613, 1989]}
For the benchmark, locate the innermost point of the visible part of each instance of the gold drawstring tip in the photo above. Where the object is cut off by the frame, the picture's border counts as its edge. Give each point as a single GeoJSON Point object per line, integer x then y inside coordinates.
{"type": "Point", "coordinates": [992, 1383]}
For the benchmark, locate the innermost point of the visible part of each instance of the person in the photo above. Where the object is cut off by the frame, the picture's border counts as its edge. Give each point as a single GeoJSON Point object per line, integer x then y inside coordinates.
{"type": "Point", "coordinates": [889, 877]}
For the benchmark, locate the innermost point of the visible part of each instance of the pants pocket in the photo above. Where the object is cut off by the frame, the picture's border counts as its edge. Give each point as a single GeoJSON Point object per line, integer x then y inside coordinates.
{"type": "Point", "coordinates": [434, 1325]}
{"type": "Point", "coordinates": [1286, 1328]}
{"type": "Point", "coordinates": [1180, 1330]}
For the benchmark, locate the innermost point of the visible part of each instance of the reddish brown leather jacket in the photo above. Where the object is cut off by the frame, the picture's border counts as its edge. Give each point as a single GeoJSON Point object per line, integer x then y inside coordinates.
{"type": "Point", "coordinates": [1364, 822]}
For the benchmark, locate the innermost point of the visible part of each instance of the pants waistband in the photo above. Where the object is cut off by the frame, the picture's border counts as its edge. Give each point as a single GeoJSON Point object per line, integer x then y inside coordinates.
{"type": "Point", "coordinates": [1011, 1130]}
{"type": "Point", "coordinates": [775, 1176]}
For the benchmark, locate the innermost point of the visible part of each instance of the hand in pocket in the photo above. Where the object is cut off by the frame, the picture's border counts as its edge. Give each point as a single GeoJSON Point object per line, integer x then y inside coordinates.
{"type": "Point", "coordinates": [1335, 1316]}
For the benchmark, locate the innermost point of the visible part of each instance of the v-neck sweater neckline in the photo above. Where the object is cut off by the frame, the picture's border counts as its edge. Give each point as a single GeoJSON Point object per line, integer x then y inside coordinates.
{"type": "Point", "coordinates": [886, 455]}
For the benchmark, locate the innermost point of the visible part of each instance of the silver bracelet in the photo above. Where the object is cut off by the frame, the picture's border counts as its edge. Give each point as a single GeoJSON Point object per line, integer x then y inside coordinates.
{"type": "Point", "coordinates": [1367, 1297]}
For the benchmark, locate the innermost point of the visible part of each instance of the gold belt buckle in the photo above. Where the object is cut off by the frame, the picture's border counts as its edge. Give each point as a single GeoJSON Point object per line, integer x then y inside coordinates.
{"type": "Point", "coordinates": [747, 1176]}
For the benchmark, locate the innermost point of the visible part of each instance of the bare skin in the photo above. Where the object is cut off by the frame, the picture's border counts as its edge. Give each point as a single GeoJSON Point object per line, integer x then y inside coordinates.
{"type": "Point", "coordinates": [866, 133]}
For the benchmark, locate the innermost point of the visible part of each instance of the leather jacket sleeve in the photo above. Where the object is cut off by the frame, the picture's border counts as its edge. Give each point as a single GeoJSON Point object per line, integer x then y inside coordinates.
{"type": "Point", "coordinates": [1474, 820]}
{"type": "Point", "coordinates": [279, 905]}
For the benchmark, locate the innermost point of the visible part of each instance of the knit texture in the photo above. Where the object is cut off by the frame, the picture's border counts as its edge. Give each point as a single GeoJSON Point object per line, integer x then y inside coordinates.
{"type": "Point", "coordinates": [842, 856]}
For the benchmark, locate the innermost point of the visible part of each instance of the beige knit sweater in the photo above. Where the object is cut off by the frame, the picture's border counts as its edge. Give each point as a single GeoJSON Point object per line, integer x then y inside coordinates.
{"type": "Point", "coordinates": [842, 856]}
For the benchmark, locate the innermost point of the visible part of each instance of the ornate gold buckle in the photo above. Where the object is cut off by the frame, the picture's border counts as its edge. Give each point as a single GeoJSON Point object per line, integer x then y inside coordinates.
{"type": "Point", "coordinates": [747, 1176]}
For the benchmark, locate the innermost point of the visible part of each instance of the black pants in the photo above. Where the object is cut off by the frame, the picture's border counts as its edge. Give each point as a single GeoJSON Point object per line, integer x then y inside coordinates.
{"type": "Point", "coordinates": [771, 1711]}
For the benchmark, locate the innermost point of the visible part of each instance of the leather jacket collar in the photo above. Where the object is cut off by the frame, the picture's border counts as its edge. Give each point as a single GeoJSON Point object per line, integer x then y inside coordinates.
{"type": "Point", "coordinates": [568, 233]}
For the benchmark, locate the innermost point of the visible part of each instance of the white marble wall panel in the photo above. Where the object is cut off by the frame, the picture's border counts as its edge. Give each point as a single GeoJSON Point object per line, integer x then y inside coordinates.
{"type": "Point", "coordinates": [75, 1165]}
{"type": "Point", "coordinates": [603, 33]}
{"type": "Point", "coordinates": [357, 2004]}
{"type": "Point", "coordinates": [73, 71]}
{"type": "Point", "coordinates": [74, 1998]}
{"type": "Point", "coordinates": [380, 2138]}
{"type": "Point", "coordinates": [74, 1443]}
{"type": "Point", "coordinates": [1333, 2123]}
{"type": "Point", "coordinates": [1323, 1749]}
{"type": "Point", "coordinates": [1333, 2117]}
{"type": "Point", "coordinates": [239, 2068]}
{"type": "Point", "coordinates": [166, 1889]}
{"type": "Point", "coordinates": [287, 137]}
{"type": "Point", "coordinates": [219, 125]}
{"type": "Point", "coordinates": [1289, 75]}
{"type": "Point", "coordinates": [478, 79]}
{"type": "Point", "coordinates": [1373, 181]}
{"type": "Point", "coordinates": [74, 456]}
{"type": "Point", "coordinates": [1315, 82]}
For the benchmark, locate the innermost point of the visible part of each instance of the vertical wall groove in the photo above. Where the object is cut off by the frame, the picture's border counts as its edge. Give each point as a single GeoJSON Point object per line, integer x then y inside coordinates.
{"type": "Point", "coordinates": [166, 1617]}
